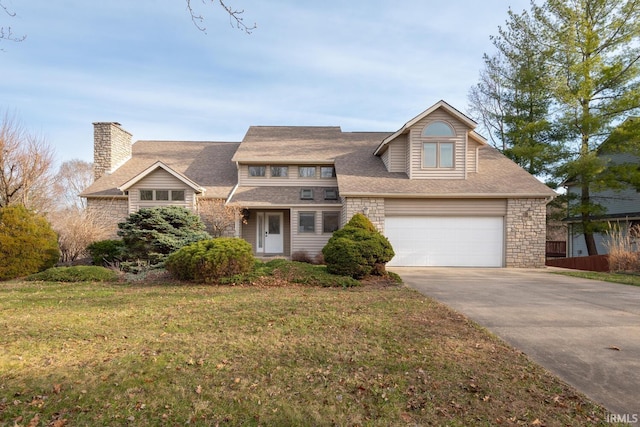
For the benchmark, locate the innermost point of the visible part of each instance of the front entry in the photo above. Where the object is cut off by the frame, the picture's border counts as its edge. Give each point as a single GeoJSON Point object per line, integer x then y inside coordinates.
{"type": "Point", "coordinates": [270, 238]}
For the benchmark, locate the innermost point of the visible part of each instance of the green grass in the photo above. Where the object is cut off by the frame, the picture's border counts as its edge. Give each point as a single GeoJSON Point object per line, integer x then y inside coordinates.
{"type": "Point", "coordinates": [626, 279]}
{"type": "Point", "coordinates": [291, 355]}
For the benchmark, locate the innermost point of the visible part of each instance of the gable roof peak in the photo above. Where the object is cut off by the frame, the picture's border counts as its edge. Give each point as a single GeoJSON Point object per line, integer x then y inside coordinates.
{"type": "Point", "coordinates": [440, 104]}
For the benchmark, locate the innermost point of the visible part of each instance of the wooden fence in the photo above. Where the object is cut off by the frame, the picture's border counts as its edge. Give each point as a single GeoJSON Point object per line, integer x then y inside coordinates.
{"type": "Point", "coordinates": [556, 249]}
{"type": "Point", "coordinates": [589, 263]}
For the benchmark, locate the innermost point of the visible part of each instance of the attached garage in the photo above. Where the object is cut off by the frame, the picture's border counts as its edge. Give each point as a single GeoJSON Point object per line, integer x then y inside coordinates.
{"type": "Point", "coordinates": [448, 235]}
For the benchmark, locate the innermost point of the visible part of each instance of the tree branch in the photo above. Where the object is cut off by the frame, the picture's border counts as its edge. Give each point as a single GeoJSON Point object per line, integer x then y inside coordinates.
{"type": "Point", "coordinates": [7, 33]}
{"type": "Point", "coordinates": [235, 17]}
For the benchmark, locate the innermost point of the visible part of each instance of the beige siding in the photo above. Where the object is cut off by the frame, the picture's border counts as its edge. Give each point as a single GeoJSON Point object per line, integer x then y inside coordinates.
{"type": "Point", "coordinates": [160, 180]}
{"type": "Point", "coordinates": [292, 180]}
{"type": "Point", "coordinates": [472, 156]}
{"type": "Point", "coordinates": [439, 207]}
{"type": "Point", "coordinates": [385, 158]}
{"type": "Point", "coordinates": [416, 140]}
{"type": "Point", "coordinates": [398, 155]}
{"type": "Point", "coordinates": [311, 243]}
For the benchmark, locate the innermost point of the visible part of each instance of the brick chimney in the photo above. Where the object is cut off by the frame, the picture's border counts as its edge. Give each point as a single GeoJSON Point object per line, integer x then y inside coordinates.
{"type": "Point", "coordinates": [111, 147]}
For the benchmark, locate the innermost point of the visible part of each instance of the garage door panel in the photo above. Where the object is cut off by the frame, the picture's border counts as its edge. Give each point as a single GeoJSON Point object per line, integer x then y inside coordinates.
{"type": "Point", "coordinates": [446, 241]}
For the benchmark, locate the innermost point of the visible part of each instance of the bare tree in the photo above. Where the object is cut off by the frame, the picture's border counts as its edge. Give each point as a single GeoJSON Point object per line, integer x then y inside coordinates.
{"type": "Point", "coordinates": [73, 177]}
{"type": "Point", "coordinates": [219, 218]}
{"type": "Point", "coordinates": [26, 160]}
{"type": "Point", "coordinates": [77, 229]}
{"type": "Point", "coordinates": [5, 32]}
{"type": "Point", "coordinates": [236, 18]}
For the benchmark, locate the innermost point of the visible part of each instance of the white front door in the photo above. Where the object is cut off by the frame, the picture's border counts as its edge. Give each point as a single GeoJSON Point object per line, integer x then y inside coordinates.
{"type": "Point", "coordinates": [270, 234]}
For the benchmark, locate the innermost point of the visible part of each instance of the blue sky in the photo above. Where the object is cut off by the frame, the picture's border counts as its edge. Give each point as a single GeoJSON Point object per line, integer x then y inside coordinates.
{"type": "Point", "coordinates": [362, 65]}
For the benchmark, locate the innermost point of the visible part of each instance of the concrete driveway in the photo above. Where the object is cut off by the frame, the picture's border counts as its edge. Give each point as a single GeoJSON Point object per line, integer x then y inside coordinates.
{"type": "Point", "coordinates": [585, 332]}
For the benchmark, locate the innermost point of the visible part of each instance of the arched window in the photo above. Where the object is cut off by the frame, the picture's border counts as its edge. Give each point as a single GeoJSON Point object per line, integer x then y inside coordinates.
{"type": "Point", "coordinates": [438, 128]}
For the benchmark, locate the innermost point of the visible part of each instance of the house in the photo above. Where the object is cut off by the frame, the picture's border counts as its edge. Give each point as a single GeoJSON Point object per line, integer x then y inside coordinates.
{"type": "Point", "coordinates": [621, 205]}
{"type": "Point", "coordinates": [435, 188]}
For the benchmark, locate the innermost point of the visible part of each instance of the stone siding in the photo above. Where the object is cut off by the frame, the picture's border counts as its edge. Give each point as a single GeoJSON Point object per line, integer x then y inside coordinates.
{"type": "Point", "coordinates": [111, 147]}
{"type": "Point", "coordinates": [372, 207]}
{"type": "Point", "coordinates": [526, 233]}
{"type": "Point", "coordinates": [110, 211]}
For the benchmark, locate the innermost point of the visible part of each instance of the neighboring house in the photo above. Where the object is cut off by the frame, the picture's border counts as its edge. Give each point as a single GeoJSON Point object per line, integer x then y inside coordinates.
{"type": "Point", "coordinates": [435, 188]}
{"type": "Point", "coordinates": [621, 207]}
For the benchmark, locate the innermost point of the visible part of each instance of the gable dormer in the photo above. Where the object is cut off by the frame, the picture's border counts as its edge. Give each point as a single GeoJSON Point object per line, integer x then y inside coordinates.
{"type": "Point", "coordinates": [439, 143]}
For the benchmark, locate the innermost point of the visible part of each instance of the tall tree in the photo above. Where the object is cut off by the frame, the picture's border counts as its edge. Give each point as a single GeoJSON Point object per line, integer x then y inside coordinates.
{"type": "Point", "coordinates": [26, 162]}
{"type": "Point", "coordinates": [512, 99]}
{"type": "Point", "coordinates": [591, 57]}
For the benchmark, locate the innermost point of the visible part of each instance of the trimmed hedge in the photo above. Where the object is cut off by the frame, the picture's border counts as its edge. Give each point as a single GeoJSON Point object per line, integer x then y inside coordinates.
{"type": "Point", "coordinates": [209, 260]}
{"type": "Point", "coordinates": [79, 273]}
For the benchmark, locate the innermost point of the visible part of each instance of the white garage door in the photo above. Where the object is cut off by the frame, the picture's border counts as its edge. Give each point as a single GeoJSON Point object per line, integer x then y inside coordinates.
{"type": "Point", "coordinates": [446, 241]}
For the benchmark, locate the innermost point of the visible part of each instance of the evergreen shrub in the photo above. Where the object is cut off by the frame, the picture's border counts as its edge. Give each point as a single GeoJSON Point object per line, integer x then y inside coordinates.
{"type": "Point", "coordinates": [28, 244]}
{"type": "Point", "coordinates": [151, 234]}
{"type": "Point", "coordinates": [358, 249]}
{"type": "Point", "coordinates": [209, 260]}
{"type": "Point", "coordinates": [105, 252]}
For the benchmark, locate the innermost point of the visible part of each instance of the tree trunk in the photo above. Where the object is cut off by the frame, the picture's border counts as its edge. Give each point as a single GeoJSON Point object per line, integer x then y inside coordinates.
{"type": "Point", "coordinates": [587, 225]}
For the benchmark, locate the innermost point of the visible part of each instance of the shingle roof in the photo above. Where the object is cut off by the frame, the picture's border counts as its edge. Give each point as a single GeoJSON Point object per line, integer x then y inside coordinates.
{"type": "Point", "coordinates": [360, 173]}
{"type": "Point", "coordinates": [206, 163]}
{"type": "Point", "coordinates": [278, 197]}
{"type": "Point", "coordinates": [297, 144]}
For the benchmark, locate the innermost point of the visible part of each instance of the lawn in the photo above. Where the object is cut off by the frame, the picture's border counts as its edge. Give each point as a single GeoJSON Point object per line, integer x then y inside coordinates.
{"type": "Point", "coordinates": [160, 354]}
{"type": "Point", "coordinates": [624, 278]}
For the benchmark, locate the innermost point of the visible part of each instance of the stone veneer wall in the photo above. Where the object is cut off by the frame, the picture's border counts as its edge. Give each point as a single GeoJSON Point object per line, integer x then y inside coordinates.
{"type": "Point", "coordinates": [526, 233]}
{"type": "Point", "coordinates": [109, 212]}
{"type": "Point", "coordinates": [374, 211]}
{"type": "Point", "coordinates": [111, 147]}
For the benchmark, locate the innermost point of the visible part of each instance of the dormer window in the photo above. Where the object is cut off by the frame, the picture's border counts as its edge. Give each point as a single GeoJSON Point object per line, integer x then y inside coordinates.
{"type": "Point", "coordinates": [257, 170]}
{"type": "Point", "coordinates": [437, 155]}
{"type": "Point", "coordinates": [327, 172]}
{"type": "Point", "coordinates": [306, 194]}
{"type": "Point", "coordinates": [307, 171]}
{"type": "Point", "coordinates": [438, 128]}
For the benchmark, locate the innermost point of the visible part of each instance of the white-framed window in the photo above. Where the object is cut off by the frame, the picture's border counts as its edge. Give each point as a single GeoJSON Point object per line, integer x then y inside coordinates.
{"type": "Point", "coordinates": [307, 171]}
{"type": "Point", "coordinates": [162, 195]}
{"type": "Point", "coordinates": [439, 128]}
{"type": "Point", "coordinates": [257, 170]}
{"type": "Point", "coordinates": [330, 221]}
{"type": "Point", "coordinates": [146, 194]}
{"type": "Point", "coordinates": [327, 172]}
{"type": "Point", "coordinates": [437, 154]}
{"type": "Point", "coordinates": [279, 171]}
{"type": "Point", "coordinates": [307, 222]}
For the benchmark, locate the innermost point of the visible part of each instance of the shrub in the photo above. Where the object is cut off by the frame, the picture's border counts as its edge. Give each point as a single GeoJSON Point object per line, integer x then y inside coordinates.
{"type": "Point", "coordinates": [622, 244]}
{"type": "Point", "coordinates": [80, 273]}
{"type": "Point", "coordinates": [210, 260]}
{"type": "Point", "coordinates": [357, 249]}
{"type": "Point", "coordinates": [28, 244]}
{"type": "Point", "coordinates": [153, 233]}
{"type": "Point", "coordinates": [106, 252]}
